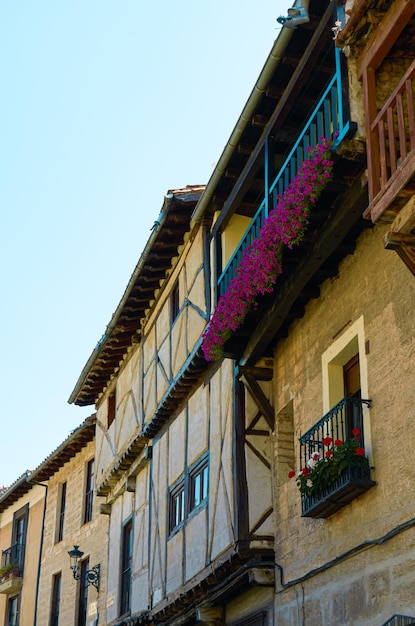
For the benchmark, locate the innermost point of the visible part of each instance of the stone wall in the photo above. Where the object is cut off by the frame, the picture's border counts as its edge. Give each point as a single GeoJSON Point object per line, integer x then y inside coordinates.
{"type": "Point", "coordinates": [375, 292]}
{"type": "Point", "coordinates": [92, 538]}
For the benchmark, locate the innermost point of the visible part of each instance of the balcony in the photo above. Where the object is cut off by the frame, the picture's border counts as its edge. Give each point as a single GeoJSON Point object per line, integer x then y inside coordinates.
{"type": "Point", "coordinates": [11, 570]}
{"type": "Point", "coordinates": [326, 119]}
{"type": "Point", "coordinates": [335, 467]}
{"type": "Point", "coordinates": [391, 151]}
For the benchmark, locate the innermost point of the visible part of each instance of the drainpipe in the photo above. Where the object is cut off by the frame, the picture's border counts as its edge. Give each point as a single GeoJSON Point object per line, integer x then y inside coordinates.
{"type": "Point", "coordinates": [33, 482]}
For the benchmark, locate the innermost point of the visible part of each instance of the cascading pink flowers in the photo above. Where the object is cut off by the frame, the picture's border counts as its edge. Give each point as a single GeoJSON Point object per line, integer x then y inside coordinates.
{"type": "Point", "coordinates": [261, 261]}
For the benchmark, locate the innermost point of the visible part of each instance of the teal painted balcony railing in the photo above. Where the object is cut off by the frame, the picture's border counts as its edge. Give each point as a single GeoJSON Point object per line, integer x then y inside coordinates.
{"type": "Point", "coordinates": [326, 120]}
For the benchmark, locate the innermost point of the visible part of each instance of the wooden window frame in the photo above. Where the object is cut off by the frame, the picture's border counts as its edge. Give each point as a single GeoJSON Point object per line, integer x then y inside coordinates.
{"type": "Point", "coordinates": [22, 515]}
{"type": "Point", "coordinates": [61, 512]}
{"type": "Point", "coordinates": [199, 471]}
{"type": "Point", "coordinates": [176, 519]}
{"type": "Point", "coordinates": [89, 491]}
{"type": "Point", "coordinates": [183, 491]}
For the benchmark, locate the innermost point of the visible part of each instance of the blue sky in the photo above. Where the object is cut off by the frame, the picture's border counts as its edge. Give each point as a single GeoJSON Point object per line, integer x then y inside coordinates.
{"type": "Point", "coordinates": [105, 106]}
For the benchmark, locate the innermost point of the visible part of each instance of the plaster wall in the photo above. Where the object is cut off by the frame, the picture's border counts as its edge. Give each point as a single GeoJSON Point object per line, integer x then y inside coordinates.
{"type": "Point", "coordinates": [35, 499]}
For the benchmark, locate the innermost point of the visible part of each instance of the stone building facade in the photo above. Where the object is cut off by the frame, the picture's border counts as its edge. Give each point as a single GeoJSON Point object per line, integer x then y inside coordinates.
{"type": "Point", "coordinates": [195, 448]}
{"type": "Point", "coordinates": [42, 516]}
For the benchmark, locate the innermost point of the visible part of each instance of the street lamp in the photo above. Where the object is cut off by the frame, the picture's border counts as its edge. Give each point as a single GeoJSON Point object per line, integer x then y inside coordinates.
{"type": "Point", "coordinates": [92, 576]}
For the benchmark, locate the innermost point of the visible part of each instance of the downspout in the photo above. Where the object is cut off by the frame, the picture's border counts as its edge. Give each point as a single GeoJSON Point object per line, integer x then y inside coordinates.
{"type": "Point", "coordinates": [268, 70]}
{"type": "Point", "coordinates": [33, 482]}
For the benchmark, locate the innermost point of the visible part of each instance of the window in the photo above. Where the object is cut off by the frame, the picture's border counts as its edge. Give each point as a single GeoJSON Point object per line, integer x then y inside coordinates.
{"type": "Point", "coordinates": [126, 567]}
{"type": "Point", "coordinates": [111, 409]}
{"type": "Point", "coordinates": [189, 493]}
{"type": "Point", "coordinates": [83, 594]}
{"type": "Point", "coordinates": [89, 491]}
{"type": "Point", "coordinates": [198, 485]}
{"type": "Point", "coordinates": [351, 377]}
{"type": "Point", "coordinates": [56, 599]}
{"type": "Point", "coordinates": [19, 532]}
{"type": "Point", "coordinates": [13, 611]}
{"type": "Point", "coordinates": [335, 451]}
{"type": "Point", "coordinates": [176, 507]}
{"type": "Point", "coordinates": [174, 302]}
{"type": "Point", "coordinates": [345, 366]}
{"type": "Point", "coordinates": [61, 512]}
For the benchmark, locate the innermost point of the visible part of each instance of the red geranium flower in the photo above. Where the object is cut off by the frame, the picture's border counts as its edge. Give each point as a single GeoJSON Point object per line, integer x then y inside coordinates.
{"type": "Point", "coordinates": [291, 474]}
{"type": "Point", "coordinates": [305, 472]}
{"type": "Point", "coordinates": [360, 451]}
{"type": "Point", "coordinates": [327, 441]}
{"type": "Point", "coordinates": [338, 442]}
{"type": "Point", "coordinates": [329, 453]}
{"type": "Point", "coordinates": [355, 431]}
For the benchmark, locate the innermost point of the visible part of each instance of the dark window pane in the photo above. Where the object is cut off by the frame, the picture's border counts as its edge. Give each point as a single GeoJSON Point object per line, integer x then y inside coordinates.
{"type": "Point", "coordinates": [62, 507]}
{"type": "Point", "coordinates": [83, 594]}
{"type": "Point", "coordinates": [56, 599]}
{"type": "Point", "coordinates": [126, 567]}
{"type": "Point", "coordinates": [89, 491]}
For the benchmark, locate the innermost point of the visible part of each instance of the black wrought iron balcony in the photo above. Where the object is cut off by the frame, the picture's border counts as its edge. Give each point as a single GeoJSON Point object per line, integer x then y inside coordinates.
{"type": "Point", "coordinates": [334, 465]}
{"type": "Point", "coordinates": [11, 570]}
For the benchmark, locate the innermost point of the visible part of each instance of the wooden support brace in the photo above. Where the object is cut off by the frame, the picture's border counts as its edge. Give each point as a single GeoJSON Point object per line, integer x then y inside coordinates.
{"type": "Point", "coordinates": [262, 401]}
{"type": "Point", "coordinates": [404, 245]}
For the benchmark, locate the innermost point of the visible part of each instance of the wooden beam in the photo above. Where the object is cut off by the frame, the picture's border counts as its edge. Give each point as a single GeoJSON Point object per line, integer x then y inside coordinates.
{"type": "Point", "coordinates": [260, 373]}
{"type": "Point", "coordinates": [336, 229]}
{"type": "Point", "coordinates": [385, 35]}
{"type": "Point", "coordinates": [404, 245]}
{"type": "Point", "coordinates": [405, 220]}
{"type": "Point", "coordinates": [240, 497]}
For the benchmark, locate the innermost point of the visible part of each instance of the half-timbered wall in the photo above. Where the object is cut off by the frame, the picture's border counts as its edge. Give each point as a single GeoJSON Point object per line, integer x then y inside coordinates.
{"type": "Point", "coordinates": [150, 367]}
{"type": "Point", "coordinates": [259, 424]}
{"type": "Point", "coordinates": [368, 307]}
{"type": "Point", "coordinates": [168, 342]}
{"type": "Point", "coordinates": [203, 428]}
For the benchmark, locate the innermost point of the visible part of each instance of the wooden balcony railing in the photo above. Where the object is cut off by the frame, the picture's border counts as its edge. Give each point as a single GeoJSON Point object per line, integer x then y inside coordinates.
{"type": "Point", "coordinates": [326, 120]}
{"type": "Point", "coordinates": [392, 145]}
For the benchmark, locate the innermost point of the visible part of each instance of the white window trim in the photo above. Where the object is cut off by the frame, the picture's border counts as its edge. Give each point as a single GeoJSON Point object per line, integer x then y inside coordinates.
{"type": "Point", "coordinates": [351, 341]}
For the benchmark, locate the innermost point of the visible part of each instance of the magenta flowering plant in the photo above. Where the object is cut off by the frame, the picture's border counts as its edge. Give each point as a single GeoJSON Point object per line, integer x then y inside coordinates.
{"type": "Point", "coordinates": [261, 260]}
